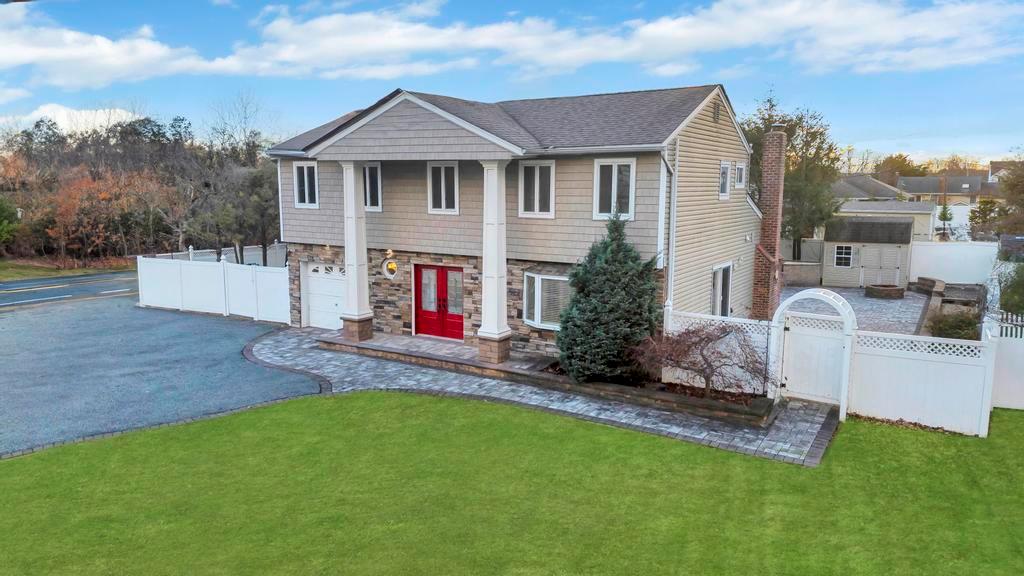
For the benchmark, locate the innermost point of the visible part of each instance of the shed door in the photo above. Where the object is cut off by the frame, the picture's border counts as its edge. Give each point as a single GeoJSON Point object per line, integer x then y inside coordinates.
{"type": "Point", "coordinates": [880, 264]}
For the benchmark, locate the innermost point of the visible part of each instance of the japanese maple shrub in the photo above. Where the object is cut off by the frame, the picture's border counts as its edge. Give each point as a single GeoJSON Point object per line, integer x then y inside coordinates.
{"type": "Point", "coordinates": [613, 309]}
{"type": "Point", "coordinates": [717, 357]}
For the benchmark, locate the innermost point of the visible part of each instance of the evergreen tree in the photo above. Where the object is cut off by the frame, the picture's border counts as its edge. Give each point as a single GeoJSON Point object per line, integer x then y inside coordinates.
{"type": "Point", "coordinates": [613, 309]}
{"type": "Point", "coordinates": [945, 216]}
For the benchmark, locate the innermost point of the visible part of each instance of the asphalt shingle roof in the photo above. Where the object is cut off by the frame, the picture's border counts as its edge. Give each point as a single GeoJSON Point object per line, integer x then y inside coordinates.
{"type": "Point", "coordinates": [886, 206]}
{"type": "Point", "coordinates": [933, 184]}
{"type": "Point", "coordinates": [870, 230]}
{"type": "Point", "coordinates": [862, 186]}
{"type": "Point", "coordinates": [645, 117]}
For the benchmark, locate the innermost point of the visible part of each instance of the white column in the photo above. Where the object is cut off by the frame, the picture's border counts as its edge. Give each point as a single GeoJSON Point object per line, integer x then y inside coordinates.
{"type": "Point", "coordinates": [356, 305]}
{"type": "Point", "coordinates": [494, 315]}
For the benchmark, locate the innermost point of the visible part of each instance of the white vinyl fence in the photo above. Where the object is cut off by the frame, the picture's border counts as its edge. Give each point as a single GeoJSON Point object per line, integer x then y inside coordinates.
{"type": "Point", "coordinates": [937, 382]}
{"type": "Point", "coordinates": [1008, 388]}
{"type": "Point", "coordinates": [953, 262]}
{"type": "Point", "coordinates": [251, 255]}
{"type": "Point", "coordinates": [257, 292]}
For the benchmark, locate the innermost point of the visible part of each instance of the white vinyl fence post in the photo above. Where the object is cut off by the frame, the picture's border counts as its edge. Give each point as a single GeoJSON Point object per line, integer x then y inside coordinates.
{"type": "Point", "coordinates": [991, 343]}
{"type": "Point", "coordinates": [844, 381]}
{"type": "Point", "coordinates": [255, 292]}
{"type": "Point", "coordinates": [181, 284]}
{"type": "Point", "coordinates": [224, 284]}
{"type": "Point", "coordinates": [138, 280]}
{"type": "Point", "coordinates": [191, 253]}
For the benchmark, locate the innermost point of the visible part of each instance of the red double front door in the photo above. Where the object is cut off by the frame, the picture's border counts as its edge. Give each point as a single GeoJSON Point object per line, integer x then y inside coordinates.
{"type": "Point", "coordinates": [439, 301]}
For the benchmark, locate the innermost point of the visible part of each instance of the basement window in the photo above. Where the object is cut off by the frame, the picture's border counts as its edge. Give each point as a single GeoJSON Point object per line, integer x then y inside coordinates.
{"type": "Point", "coordinates": [544, 298]}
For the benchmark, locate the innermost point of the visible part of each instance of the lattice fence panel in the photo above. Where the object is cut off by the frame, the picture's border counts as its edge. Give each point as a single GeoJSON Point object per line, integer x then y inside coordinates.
{"type": "Point", "coordinates": [814, 323]}
{"type": "Point", "coordinates": [915, 345]}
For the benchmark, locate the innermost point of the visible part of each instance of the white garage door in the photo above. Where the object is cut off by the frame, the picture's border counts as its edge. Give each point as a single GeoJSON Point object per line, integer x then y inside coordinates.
{"type": "Point", "coordinates": [325, 289]}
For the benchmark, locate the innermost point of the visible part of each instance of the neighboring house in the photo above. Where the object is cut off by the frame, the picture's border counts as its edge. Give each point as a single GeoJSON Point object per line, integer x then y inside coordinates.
{"type": "Point", "coordinates": [957, 190]}
{"type": "Point", "coordinates": [923, 213]}
{"type": "Point", "coordinates": [432, 215]}
{"type": "Point", "coordinates": [863, 250]}
{"type": "Point", "coordinates": [863, 187]}
{"type": "Point", "coordinates": [998, 169]}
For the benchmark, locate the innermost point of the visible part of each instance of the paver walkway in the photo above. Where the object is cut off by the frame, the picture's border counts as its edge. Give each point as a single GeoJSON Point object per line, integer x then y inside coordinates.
{"type": "Point", "coordinates": [799, 435]}
{"type": "Point", "coordinates": [876, 314]}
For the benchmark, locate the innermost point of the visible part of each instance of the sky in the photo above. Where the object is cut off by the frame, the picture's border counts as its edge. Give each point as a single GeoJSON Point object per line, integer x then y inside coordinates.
{"type": "Point", "coordinates": [924, 78]}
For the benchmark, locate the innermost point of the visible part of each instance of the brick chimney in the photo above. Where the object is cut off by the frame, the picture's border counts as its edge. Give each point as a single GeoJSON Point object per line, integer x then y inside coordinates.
{"type": "Point", "coordinates": [767, 257]}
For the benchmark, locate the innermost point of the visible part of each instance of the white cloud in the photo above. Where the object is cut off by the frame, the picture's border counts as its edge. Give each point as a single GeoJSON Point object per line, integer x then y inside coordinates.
{"type": "Point", "coordinates": [819, 35]}
{"type": "Point", "coordinates": [8, 94]}
{"type": "Point", "coordinates": [72, 119]}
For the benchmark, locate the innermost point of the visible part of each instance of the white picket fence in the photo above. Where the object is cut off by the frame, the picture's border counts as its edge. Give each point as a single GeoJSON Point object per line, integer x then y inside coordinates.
{"type": "Point", "coordinates": [256, 292]}
{"type": "Point", "coordinates": [936, 382]}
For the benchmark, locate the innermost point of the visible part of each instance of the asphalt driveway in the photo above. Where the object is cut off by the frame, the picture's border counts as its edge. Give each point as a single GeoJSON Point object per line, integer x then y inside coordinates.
{"type": "Point", "coordinates": [75, 369]}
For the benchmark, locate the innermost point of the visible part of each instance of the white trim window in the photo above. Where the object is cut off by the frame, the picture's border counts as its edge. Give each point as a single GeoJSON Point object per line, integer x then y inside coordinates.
{"type": "Point", "coordinates": [843, 257]}
{"type": "Point", "coordinates": [544, 298]}
{"type": "Point", "coordinates": [306, 181]}
{"type": "Point", "coordinates": [723, 179]}
{"type": "Point", "coordinates": [614, 187]}
{"type": "Point", "coordinates": [537, 189]}
{"type": "Point", "coordinates": [373, 193]}
{"type": "Point", "coordinates": [442, 187]}
{"type": "Point", "coordinates": [741, 175]}
{"type": "Point", "coordinates": [721, 295]}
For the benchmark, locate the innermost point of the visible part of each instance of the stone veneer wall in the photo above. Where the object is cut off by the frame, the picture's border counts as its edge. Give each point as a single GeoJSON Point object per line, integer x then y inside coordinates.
{"type": "Point", "coordinates": [391, 299]}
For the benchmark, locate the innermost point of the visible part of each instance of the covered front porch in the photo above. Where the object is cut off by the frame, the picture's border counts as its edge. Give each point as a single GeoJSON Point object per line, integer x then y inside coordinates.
{"type": "Point", "coordinates": [468, 304]}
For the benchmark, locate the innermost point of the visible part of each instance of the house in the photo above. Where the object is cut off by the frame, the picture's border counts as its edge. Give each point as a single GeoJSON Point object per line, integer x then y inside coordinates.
{"type": "Point", "coordinates": [998, 169]}
{"type": "Point", "coordinates": [922, 213]}
{"type": "Point", "coordinates": [863, 187]}
{"type": "Point", "coordinates": [957, 190]}
{"type": "Point", "coordinates": [864, 250]}
{"type": "Point", "coordinates": [431, 215]}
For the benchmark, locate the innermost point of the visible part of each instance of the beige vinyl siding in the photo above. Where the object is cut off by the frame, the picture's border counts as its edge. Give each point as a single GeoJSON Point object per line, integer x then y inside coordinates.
{"type": "Point", "coordinates": [851, 277]}
{"type": "Point", "coordinates": [568, 236]}
{"type": "Point", "coordinates": [404, 223]}
{"type": "Point", "coordinates": [321, 225]}
{"type": "Point", "coordinates": [710, 231]}
{"type": "Point", "coordinates": [408, 131]}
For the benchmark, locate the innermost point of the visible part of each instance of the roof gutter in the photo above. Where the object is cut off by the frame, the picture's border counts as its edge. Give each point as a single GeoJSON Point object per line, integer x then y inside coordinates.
{"type": "Point", "coordinates": [595, 149]}
{"type": "Point", "coordinates": [294, 153]}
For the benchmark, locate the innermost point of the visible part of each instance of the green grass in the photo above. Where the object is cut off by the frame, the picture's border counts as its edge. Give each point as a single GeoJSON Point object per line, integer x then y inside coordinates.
{"type": "Point", "coordinates": [378, 483]}
{"type": "Point", "coordinates": [21, 271]}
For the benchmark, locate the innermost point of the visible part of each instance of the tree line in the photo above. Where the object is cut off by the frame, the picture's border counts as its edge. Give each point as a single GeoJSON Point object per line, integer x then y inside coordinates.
{"type": "Point", "coordinates": [136, 186]}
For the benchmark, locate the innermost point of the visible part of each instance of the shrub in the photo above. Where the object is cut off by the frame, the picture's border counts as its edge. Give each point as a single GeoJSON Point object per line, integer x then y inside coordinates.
{"type": "Point", "coordinates": [613, 309]}
{"type": "Point", "coordinates": [962, 325]}
{"type": "Point", "coordinates": [722, 357]}
{"type": "Point", "coordinates": [1011, 290]}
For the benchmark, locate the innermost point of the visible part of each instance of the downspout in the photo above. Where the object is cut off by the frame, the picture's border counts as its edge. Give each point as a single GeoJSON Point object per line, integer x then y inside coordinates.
{"type": "Point", "coordinates": [670, 250]}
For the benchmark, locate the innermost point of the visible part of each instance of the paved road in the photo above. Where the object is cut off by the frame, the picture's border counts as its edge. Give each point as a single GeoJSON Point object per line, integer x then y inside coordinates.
{"type": "Point", "coordinates": [51, 290]}
{"type": "Point", "coordinates": [80, 368]}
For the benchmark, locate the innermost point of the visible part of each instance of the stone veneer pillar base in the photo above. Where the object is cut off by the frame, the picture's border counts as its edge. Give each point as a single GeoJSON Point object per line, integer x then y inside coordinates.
{"type": "Point", "coordinates": [494, 351]}
{"type": "Point", "coordinates": [357, 330]}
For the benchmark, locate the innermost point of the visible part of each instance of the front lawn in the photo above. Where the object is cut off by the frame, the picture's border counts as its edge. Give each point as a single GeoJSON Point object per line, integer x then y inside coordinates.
{"type": "Point", "coordinates": [23, 270]}
{"type": "Point", "coordinates": [385, 483]}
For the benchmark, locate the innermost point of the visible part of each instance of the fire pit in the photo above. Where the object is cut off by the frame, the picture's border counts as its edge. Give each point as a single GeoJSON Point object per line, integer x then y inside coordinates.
{"type": "Point", "coordinates": [884, 291]}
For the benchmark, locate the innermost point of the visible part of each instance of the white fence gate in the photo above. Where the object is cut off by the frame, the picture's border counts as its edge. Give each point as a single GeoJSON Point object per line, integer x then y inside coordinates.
{"type": "Point", "coordinates": [1008, 388]}
{"type": "Point", "coordinates": [257, 292]}
{"type": "Point", "coordinates": [937, 382]}
{"type": "Point", "coordinates": [812, 357]}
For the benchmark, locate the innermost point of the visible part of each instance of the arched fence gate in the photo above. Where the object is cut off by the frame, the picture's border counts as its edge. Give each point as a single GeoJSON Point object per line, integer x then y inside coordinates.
{"type": "Point", "coordinates": [826, 358]}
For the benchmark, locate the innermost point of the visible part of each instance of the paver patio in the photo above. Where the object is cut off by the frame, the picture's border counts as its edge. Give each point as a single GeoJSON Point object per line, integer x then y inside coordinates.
{"type": "Point", "coordinates": [875, 314]}
{"type": "Point", "coordinates": [799, 434]}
